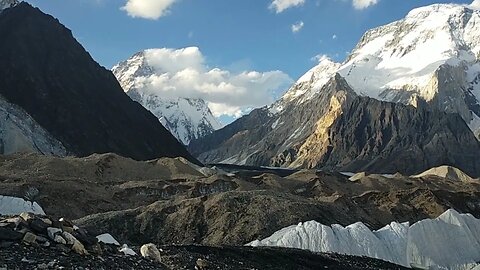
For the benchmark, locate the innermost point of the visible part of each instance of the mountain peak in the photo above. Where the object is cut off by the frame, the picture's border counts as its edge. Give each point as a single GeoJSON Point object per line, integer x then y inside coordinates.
{"type": "Point", "coordinates": [4, 4]}
{"type": "Point", "coordinates": [438, 9]}
{"type": "Point", "coordinates": [186, 118]}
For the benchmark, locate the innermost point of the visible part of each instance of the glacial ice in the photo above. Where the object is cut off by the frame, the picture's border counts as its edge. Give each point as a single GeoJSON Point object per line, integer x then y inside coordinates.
{"type": "Point", "coordinates": [451, 241]}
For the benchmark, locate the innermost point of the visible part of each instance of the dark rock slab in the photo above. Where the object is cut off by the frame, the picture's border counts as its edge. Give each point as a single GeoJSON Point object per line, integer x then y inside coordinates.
{"type": "Point", "coordinates": [10, 235]}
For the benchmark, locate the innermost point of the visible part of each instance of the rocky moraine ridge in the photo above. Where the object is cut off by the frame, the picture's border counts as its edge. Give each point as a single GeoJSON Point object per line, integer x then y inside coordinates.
{"type": "Point", "coordinates": [29, 241]}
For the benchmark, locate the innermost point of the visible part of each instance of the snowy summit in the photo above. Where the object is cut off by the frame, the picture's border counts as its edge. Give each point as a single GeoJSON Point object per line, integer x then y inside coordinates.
{"type": "Point", "coordinates": [186, 118]}
{"type": "Point", "coordinates": [4, 4]}
{"type": "Point", "coordinates": [431, 55]}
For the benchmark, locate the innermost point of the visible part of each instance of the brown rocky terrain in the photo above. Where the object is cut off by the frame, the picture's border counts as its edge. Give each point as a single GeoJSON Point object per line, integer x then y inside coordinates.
{"type": "Point", "coordinates": [171, 201]}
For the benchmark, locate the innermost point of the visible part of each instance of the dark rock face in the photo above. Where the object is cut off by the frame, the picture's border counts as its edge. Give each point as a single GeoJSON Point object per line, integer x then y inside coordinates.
{"type": "Point", "coordinates": [51, 76]}
{"type": "Point", "coordinates": [386, 137]}
{"type": "Point", "coordinates": [265, 139]}
{"type": "Point", "coordinates": [366, 135]}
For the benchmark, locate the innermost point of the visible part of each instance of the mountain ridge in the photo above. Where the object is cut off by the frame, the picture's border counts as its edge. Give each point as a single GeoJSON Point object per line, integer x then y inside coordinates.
{"type": "Point", "coordinates": [444, 81]}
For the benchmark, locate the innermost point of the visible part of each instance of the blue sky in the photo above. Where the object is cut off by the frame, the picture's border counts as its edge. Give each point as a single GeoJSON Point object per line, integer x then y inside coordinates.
{"type": "Point", "coordinates": [232, 35]}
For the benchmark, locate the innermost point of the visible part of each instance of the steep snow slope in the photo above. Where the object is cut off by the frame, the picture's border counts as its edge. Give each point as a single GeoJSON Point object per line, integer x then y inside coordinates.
{"type": "Point", "coordinates": [451, 241]}
{"type": "Point", "coordinates": [308, 85]}
{"type": "Point", "coordinates": [432, 54]}
{"type": "Point", "coordinates": [185, 118]}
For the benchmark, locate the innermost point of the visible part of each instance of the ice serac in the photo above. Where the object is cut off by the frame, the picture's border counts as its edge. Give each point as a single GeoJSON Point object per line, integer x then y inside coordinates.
{"type": "Point", "coordinates": [411, 87]}
{"type": "Point", "coordinates": [186, 118]}
{"type": "Point", "coordinates": [69, 95]}
{"type": "Point", "coordinates": [451, 241]}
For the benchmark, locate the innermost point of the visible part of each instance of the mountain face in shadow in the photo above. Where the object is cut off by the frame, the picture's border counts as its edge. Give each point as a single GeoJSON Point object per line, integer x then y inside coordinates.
{"type": "Point", "coordinates": [47, 73]}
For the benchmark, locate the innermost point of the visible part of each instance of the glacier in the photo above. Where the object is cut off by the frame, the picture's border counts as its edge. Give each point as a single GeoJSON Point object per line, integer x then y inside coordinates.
{"type": "Point", "coordinates": [451, 241]}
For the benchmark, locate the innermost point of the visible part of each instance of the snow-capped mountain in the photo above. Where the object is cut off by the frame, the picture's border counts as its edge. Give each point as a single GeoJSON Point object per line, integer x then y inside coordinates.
{"type": "Point", "coordinates": [451, 241]}
{"type": "Point", "coordinates": [430, 59]}
{"type": "Point", "coordinates": [185, 118]}
{"type": "Point", "coordinates": [8, 4]}
{"type": "Point", "coordinates": [432, 54]}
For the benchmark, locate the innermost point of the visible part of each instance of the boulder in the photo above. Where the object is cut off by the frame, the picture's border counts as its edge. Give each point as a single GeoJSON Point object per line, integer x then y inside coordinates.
{"type": "Point", "coordinates": [29, 238]}
{"type": "Point", "coordinates": [53, 232]}
{"type": "Point", "coordinates": [79, 248]}
{"type": "Point", "coordinates": [151, 252]}
{"type": "Point", "coordinates": [59, 239]}
{"type": "Point", "coordinates": [83, 236]}
{"type": "Point", "coordinates": [27, 216]}
{"type": "Point", "coordinates": [202, 264]}
{"type": "Point", "coordinates": [38, 225]}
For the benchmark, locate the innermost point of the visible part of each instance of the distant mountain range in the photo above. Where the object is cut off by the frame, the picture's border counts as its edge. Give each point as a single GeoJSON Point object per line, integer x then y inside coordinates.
{"type": "Point", "coordinates": [185, 118]}
{"type": "Point", "coordinates": [407, 98]}
{"type": "Point", "coordinates": [57, 100]}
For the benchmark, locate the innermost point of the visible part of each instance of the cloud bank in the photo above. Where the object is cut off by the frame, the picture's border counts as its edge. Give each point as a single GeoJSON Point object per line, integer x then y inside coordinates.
{"type": "Point", "coordinates": [148, 9]}
{"type": "Point", "coordinates": [184, 73]}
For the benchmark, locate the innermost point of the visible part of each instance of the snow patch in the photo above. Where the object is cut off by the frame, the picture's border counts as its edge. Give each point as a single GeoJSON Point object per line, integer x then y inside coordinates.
{"type": "Point", "coordinates": [10, 206]}
{"type": "Point", "coordinates": [108, 239]}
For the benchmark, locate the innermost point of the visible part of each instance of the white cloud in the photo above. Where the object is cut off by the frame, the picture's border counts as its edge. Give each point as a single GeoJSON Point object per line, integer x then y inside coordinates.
{"type": "Point", "coordinates": [475, 4]}
{"type": "Point", "coordinates": [184, 73]}
{"type": "Point", "coordinates": [281, 5]}
{"type": "Point", "coordinates": [297, 26]}
{"type": "Point", "coordinates": [362, 4]}
{"type": "Point", "coordinates": [320, 58]}
{"type": "Point", "coordinates": [148, 9]}
{"type": "Point", "coordinates": [334, 36]}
